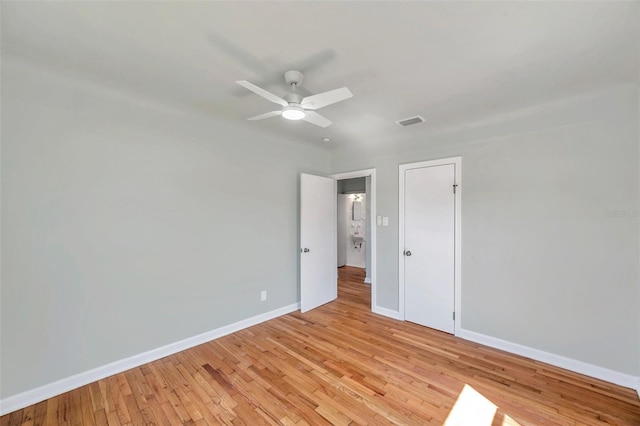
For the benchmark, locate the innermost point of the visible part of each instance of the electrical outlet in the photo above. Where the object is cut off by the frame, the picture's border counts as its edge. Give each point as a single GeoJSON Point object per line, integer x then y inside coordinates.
{"type": "Point", "coordinates": [263, 295]}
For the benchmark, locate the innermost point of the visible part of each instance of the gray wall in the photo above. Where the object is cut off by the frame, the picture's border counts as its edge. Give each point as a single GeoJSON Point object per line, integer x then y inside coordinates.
{"type": "Point", "coordinates": [545, 262]}
{"type": "Point", "coordinates": [352, 186]}
{"type": "Point", "coordinates": [120, 232]}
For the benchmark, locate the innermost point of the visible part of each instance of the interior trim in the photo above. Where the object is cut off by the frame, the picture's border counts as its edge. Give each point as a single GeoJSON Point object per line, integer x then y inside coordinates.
{"type": "Point", "coordinates": [387, 313]}
{"type": "Point", "coordinates": [608, 375]}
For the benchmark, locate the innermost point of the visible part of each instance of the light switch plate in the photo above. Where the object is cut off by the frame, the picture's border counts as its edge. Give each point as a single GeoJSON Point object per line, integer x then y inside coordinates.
{"type": "Point", "coordinates": [379, 220]}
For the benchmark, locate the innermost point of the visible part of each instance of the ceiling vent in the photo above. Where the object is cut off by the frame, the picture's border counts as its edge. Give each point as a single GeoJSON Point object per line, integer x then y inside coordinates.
{"type": "Point", "coordinates": [409, 121]}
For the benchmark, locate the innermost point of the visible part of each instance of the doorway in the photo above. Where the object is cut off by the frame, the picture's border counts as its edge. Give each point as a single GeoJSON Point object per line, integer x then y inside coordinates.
{"type": "Point", "coordinates": [356, 233]}
{"type": "Point", "coordinates": [429, 262]}
{"type": "Point", "coordinates": [353, 224]}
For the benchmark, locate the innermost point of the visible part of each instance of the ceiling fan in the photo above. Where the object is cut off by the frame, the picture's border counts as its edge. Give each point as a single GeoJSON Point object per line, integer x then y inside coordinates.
{"type": "Point", "coordinates": [294, 106]}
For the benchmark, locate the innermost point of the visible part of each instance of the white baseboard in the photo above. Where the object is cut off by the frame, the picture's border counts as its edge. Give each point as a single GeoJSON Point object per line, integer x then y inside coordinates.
{"type": "Point", "coordinates": [387, 312]}
{"type": "Point", "coordinates": [30, 397]}
{"type": "Point", "coordinates": [367, 280]}
{"type": "Point", "coordinates": [576, 366]}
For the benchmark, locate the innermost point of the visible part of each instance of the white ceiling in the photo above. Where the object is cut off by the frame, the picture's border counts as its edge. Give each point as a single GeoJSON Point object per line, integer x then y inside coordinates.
{"type": "Point", "coordinates": [447, 61]}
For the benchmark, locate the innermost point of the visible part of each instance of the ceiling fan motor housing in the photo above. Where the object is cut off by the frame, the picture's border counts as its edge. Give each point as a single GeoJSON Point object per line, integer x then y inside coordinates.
{"type": "Point", "coordinates": [293, 77]}
{"type": "Point", "coordinates": [293, 98]}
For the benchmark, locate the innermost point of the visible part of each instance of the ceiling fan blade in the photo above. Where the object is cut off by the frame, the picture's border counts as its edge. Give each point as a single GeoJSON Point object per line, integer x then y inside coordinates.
{"type": "Point", "coordinates": [259, 91]}
{"type": "Point", "coordinates": [326, 98]}
{"type": "Point", "coordinates": [315, 118]}
{"type": "Point", "coordinates": [265, 115]}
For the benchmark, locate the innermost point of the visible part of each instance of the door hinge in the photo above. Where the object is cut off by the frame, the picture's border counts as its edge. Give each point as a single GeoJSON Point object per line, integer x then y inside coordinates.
{"type": "Point", "coordinates": [455, 185]}
{"type": "Point", "coordinates": [454, 316]}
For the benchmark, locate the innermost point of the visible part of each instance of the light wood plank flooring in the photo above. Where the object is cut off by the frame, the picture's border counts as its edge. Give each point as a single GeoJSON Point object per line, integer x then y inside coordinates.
{"type": "Point", "coordinates": [339, 364]}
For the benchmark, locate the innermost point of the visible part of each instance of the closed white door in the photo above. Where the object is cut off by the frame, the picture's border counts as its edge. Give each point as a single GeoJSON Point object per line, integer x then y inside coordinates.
{"type": "Point", "coordinates": [429, 246]}
{"type": "Point", "coordinates": [318, 231]}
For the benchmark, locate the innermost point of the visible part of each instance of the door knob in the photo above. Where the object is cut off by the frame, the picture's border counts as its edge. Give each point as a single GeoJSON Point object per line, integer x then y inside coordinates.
{"type": "Point", "coordinates": [407, 253]}
{"type": "Point", "coordinates": [306, 250]}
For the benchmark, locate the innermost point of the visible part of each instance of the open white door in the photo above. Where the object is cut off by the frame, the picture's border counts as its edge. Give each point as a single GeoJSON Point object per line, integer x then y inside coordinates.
{"type": "Point", "coordinates": [318, 233]}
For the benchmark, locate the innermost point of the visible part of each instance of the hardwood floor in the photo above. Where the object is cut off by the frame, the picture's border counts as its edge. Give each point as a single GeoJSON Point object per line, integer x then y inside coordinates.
{"type": "Point", "coordinates": [339, 364]}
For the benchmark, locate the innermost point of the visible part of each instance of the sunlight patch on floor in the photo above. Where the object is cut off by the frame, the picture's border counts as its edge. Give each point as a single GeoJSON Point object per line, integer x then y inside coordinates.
{"type": "Point", "coordinates": [508, 421]}
{"type": "Point", "coordinates": [472, 408]}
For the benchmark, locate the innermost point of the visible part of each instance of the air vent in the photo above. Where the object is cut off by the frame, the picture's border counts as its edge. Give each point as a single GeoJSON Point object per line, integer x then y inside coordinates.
{"type": "Point", "coordinates": [409, 121]}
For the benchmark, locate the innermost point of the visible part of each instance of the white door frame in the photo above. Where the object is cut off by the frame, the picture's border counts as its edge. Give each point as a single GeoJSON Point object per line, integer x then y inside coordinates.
{"type": "Point", "coordinates": [372, 239]}
{"type": "Point", "coordinates": [457, 161]}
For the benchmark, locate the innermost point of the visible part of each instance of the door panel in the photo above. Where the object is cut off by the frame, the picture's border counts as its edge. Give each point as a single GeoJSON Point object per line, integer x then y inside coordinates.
{"type": "Point", "coordinates": [429, 239]}
{"type": "Point", "coordinates": [318, 232]}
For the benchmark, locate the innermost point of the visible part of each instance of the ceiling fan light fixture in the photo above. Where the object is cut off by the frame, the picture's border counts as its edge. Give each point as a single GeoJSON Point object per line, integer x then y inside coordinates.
{"type": "Point", "coordinates": [293, 113]}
